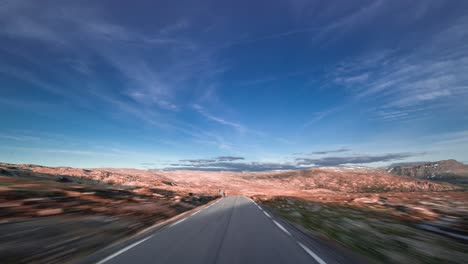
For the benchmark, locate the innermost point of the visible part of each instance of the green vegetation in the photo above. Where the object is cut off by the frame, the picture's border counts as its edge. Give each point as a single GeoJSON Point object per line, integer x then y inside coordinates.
{"type": "Point", "coordinates": [375, 234]}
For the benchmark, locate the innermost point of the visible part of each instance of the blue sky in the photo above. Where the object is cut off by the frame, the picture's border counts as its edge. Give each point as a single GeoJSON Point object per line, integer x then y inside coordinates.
{"type": "Point", "coordinates": [233, 84]}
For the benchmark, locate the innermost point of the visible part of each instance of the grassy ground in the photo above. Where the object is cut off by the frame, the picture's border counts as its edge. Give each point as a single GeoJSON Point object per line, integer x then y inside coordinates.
{"type": "Point", "coordinates": [375, 234]}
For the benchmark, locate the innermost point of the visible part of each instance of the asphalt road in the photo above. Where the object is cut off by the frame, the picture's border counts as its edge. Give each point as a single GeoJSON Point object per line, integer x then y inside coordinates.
{"type": "Point", "coordinates": [232, 230]}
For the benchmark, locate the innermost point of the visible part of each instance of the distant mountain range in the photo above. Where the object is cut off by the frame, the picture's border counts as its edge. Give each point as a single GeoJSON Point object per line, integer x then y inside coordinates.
{"type": "Point", "coordinates": [444, 170]}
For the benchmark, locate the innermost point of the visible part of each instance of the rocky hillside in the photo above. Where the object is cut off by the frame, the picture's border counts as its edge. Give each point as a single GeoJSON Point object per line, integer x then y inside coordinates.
{"type": "Point", "coordinates": [56, 215]}
{"type": "Point", "coordinates": [86, 209]}
{"type": "Point", "coordinates": [348, 180]}
{"type": "Point", "coordinates": [296, 182]}
{"type": "Point", "coordinates": [445, 170]}
{"type": "Point", "coordinates": [124, 177]}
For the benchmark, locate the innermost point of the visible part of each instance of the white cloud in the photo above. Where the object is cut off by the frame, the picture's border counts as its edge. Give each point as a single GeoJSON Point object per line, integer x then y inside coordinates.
{"type": "Point", "coordinates": [318, 116]}
{"type": "Point", "coordinates": [353, 79]}
{"type": "Point", "coordinates": [401, 82]}
{"type": "Point", "coordinates": [240, 128]}
{"type": "Point", "coordinates": [453, 139]}
{"type": "Point", "coordinates": [149, 87]}
{"type": "Point", "coordinates": [19, 137]}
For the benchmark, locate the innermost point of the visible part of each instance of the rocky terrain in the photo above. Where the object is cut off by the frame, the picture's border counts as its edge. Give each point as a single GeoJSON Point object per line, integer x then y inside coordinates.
{"type": "Point", "coordinates": [302, 182]}
{"type": "Point", "coordinates": [54, 215]}
{"type": "Point", "coordinates": [72, 212]}
{"type": "Point", "coordinates": [337, 179]}
{"type": "Point", "coordinates": [388, 218]}
{"type": "Point", "coordinates": [444, 170]}
{"type": "Point", "coordinates": [395, 228]}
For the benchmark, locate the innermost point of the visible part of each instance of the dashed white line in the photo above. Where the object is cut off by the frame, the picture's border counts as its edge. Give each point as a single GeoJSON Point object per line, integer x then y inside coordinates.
{"type": "Point", "coordinates": [311, 253]}
{"type": "Point", "coordinates": [177, 222]}
{"type": "Point", "coordinates": [269, 216]}
{"type": "Point", "coordinates": [282, 227]}
{"type": "Point", "coordinates": [123, 250]}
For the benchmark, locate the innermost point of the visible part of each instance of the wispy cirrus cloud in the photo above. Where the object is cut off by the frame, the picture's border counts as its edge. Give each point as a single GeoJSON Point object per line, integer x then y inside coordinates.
{"type": "Point", "coordinates": [321, 152]}
{"type": "Point", "coordinates": [319, 115]}
{"type": "Point", "coordinates": [202, 111]}
{"type": "Point", "coordinates": [233, 166]}
{"type": "Point", "coordinates": [148, 86]}
{"type": "Point", "coordinates": [268, 37]}
{"type": "Point", "coordinates": [198, 161]}
{"type": "Point", "coordinates": [140, 78]}
{"type": "Point", "coordinates": [356, 159]}
{"type": "Point", "coordinates": [229, 158]}
{"type": "Point", "coordinates": [455, 138]}
{"type": "Point", "coordinates": [407, 85]}
{"type": "Point", "coordinates": [218, 164]}
{"type": "Point", "coordinates": [352, 79]}
{"type": "Point", "coordinates": [65, 151]}
{"type": "Point", "coordinates": [213, 160]}
{"type": "Point", "coordinates": [22, 138]}
{"type": "Point", "coordinates": [147, 164]}
{"type": "Point", "coordinates": [30, 78]}
{"type": "Point", "coordinates": [229, 163]}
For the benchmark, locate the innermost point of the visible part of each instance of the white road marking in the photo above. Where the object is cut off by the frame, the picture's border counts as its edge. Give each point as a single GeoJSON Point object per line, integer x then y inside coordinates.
{"type": "Point", "coordinates": [123, 250]}
{"type": "Point", "coordinates": [252, 201]}
{"type": "Point", "coordinates": [312, 254]}
{"type": "Point", "coordinates": [177, 222]}
{"type": "Point", "coordinates": [195, 213]}
{"type": "Point", "coordinates": [267, 214]}
{"type": "Point", "coordinates": [282, 227]}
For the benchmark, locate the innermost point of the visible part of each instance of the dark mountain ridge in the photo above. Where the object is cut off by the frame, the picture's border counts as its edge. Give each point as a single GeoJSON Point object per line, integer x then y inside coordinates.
{"type": "Point", "coordinates": [444, 170]}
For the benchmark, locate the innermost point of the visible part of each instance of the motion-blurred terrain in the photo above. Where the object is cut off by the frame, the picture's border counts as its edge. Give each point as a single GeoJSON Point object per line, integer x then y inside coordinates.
{"type": "Point", "coordinates": [49, 215]}
{"type": "Point", "coordinates": [444, 170]}
{"type": "Point", "coordinates": [52, 215]}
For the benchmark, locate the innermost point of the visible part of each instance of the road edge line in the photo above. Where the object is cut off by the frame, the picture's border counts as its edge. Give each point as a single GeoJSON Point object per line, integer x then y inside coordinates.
{"type": "Point", "coordinates": [178, 222]}
{"type": "Point", "coordinates": [123, 250]}
{"type": "Point", "coordinates": [311, 253]}
{"type": "Point", "coordinates": [282, 228]}
{"type": "Point", "coordinates": [91, 258]}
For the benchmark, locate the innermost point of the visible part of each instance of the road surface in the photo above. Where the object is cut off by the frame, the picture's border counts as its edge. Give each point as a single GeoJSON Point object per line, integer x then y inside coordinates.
{"type": "Point", "coordinates": [232, 230]}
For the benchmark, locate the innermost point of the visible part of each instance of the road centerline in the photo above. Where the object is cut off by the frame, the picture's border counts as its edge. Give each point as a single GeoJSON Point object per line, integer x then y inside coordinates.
{"type": "Point", "coordinates": [217, 232]}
